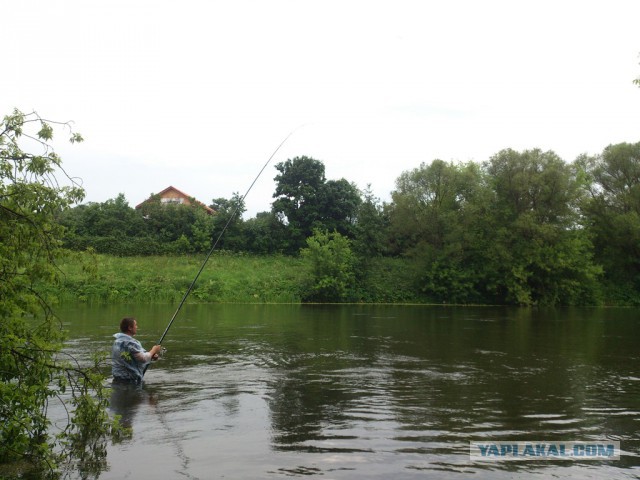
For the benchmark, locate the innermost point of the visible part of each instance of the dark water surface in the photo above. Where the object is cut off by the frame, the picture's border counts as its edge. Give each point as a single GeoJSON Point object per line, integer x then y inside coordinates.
{"type": "Point", "coordinates": [371, 392]}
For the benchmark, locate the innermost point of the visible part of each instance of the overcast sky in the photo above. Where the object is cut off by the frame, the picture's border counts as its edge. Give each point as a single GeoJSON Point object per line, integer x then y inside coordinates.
{"type": "Point", "coordinates": [198, 93]}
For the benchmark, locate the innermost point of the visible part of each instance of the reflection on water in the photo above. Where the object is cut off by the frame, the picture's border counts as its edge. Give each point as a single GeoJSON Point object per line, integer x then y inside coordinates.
{"type": "Point", "coordinates": [373, 392]}
{"type": "Point", "coordinates": [125, 400]}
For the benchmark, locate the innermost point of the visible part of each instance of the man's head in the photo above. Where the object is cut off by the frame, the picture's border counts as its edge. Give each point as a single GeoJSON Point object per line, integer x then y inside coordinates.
{"type": "Point", "coordinates": [129, 325]}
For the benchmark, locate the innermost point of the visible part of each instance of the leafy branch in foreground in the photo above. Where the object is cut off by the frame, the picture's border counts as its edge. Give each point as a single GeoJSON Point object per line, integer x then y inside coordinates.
{"type": "Point", "coordinates": [33, 368]}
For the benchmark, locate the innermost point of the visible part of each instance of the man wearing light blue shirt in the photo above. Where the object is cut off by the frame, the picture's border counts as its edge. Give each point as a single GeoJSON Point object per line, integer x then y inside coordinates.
{"type": "Point", "coordinates": [128, 358]}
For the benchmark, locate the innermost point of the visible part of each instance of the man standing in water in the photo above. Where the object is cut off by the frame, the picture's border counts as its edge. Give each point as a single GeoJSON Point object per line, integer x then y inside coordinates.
{"type": "Point", "coordinates": [128, 358]}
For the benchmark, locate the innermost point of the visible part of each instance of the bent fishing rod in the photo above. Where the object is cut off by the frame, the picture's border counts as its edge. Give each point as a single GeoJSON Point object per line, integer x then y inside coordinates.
{"type": "Point", "coordinates": [215, 244]}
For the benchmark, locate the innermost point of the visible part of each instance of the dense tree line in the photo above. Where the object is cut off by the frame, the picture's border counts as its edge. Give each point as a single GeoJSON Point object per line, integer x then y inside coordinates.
{"type": "Point", "coordinates": [523, 228]}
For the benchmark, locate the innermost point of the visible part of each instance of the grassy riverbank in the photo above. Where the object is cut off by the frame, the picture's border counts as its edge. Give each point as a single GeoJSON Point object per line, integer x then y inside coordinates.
{"type": "Point", "coordinates": [227, 278]}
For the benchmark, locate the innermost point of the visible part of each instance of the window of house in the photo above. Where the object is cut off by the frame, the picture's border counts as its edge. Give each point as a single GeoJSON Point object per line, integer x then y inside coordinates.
{"type": "Point", "coordinates": [172, 200]}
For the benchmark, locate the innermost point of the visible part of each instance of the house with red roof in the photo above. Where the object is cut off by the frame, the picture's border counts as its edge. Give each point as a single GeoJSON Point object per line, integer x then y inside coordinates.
{"type": "Point", "coordinates": [171, 195]}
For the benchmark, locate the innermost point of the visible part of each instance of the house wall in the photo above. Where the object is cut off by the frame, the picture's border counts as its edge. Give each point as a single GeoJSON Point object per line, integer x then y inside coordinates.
{"type": "Point", "coordinates": [174, 197]}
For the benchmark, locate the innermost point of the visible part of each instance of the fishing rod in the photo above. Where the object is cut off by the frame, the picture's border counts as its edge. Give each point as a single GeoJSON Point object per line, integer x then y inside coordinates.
{"type": "Point", "coordinates": [215, 244]}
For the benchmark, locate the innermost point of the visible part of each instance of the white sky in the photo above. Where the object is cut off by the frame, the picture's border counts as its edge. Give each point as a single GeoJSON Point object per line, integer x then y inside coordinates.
{"type": "Point", "coordinates": [198, 93]}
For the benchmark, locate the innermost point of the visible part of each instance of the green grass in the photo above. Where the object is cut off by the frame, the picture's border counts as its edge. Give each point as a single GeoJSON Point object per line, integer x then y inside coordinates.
{"type": "Point", "coordinates": [226, 278]}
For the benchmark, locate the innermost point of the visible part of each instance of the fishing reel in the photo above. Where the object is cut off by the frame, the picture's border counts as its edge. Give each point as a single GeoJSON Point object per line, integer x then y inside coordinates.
{"type": "Point", "coordinates": [159, 355]}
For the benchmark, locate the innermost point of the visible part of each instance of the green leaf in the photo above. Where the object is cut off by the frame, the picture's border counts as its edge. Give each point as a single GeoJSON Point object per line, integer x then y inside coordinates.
{"type": "Point", "coordinates": [46, 132]}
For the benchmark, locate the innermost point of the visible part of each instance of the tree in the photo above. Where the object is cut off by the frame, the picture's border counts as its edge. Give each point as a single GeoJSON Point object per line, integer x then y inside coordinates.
{"type": "Point", "coordinates": [32, 368]}
{"type": "Point", "coordinates": [612, 212]}
{"type": "Point", "coordinates": [331, 264]}
{"type": "Point", "coordinates": [538, 254]}
{"type": "Point", "coordinates": [167, 222]}
{"type": "Point", "coordinates": [109, 227]}
{"type": "Point", "coordinates": [339, 205]}
{"type": "Point", "coordinates": [435, 221]}
{"type": "Point", "coordinates": [264, 234]}
{"type": "Point", "coordinates": [229, 214]}
{"type": "Point", "coordinates": [112, 218]}
{"type": "Point", "coordinates": [202, 231]}
{"type": "Point", "coordinates": [425, 199]}
{"type": "Point", "coordinates": [305, 201]}
{"type": "Point", "coordinates": [370, 228]}
{"type": "Point", "coordinates": [506, 232]}
{"type": "Point", "coordinates": [298, 197]}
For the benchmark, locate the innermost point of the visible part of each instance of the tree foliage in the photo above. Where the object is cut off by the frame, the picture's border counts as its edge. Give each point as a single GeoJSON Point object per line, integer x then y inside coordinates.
{"type": "Point", "coordinates": [504, 232]}
{"type": "Point", "coordinates": [540, 255]}
{"type": "Point", "coordinates": [298, 197]}
{"type": "Point", "coordinates": [369, 240]}
{"type": "Point", "coordinates": [229, 215]}
{"type": "Point", "coordinates": [434, 220]}
{"type": "Point", "coordinates": [264, 234]}
{"type": "Point", "coordinates": [612, 210]}
{"type": "Point", "coordinates": [332, 267]}
{"type": "Point", "coordinates": [33, 370]}
{"type": "Point", "coordinates": [305, 200]}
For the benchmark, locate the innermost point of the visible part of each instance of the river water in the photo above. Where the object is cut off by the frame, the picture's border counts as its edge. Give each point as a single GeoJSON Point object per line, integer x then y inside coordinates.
{"type": "Point", "coordinates": [371, 392]}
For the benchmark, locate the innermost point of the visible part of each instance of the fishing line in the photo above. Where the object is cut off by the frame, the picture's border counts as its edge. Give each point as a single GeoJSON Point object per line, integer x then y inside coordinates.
{"type": "Point", "coordinates": [215, 244]}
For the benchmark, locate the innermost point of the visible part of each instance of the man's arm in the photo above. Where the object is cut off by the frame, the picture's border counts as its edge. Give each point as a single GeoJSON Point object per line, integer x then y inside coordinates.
{"type": "Point", "coordinates": [146, 357]}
